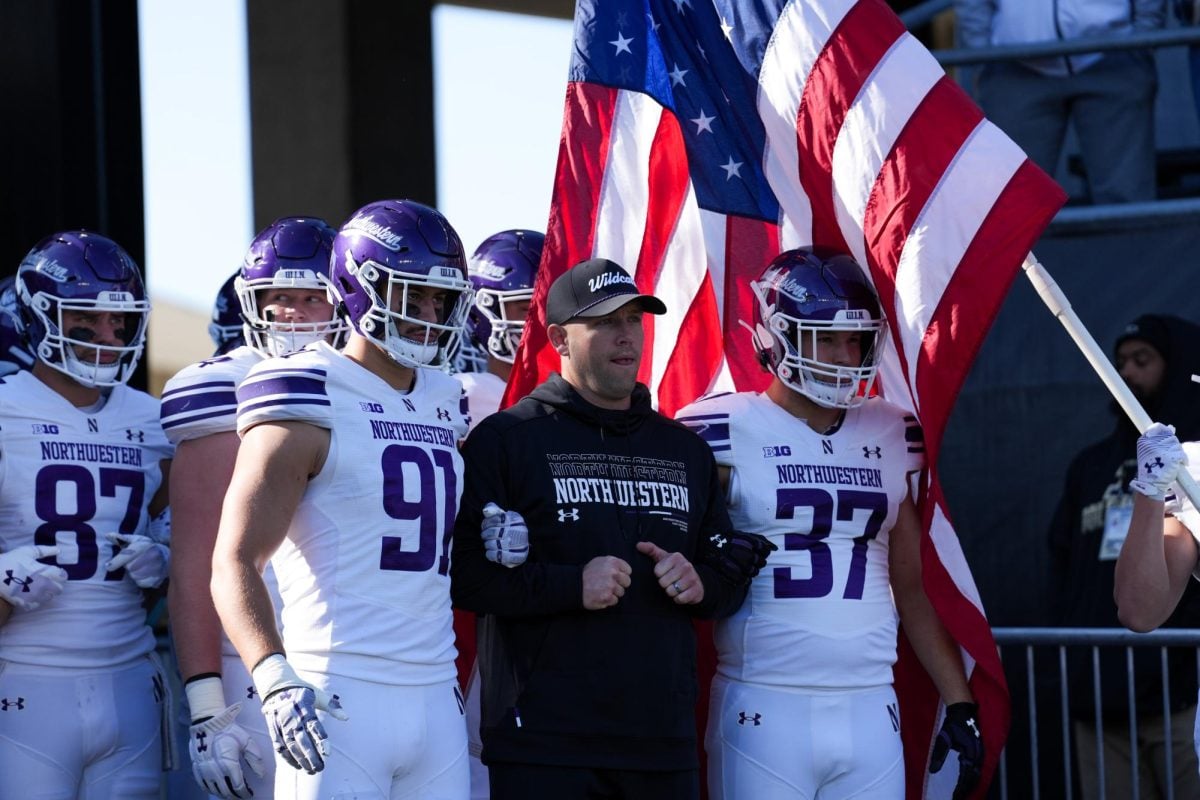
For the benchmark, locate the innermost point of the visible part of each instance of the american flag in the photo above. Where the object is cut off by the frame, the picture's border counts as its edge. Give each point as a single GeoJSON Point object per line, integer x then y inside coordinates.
{"type": "Point", "coordinates": [701, 137]}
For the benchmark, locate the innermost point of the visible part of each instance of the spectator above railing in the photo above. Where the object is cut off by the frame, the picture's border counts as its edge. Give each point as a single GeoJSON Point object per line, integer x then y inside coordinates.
{"type": "Point", "coordinates": [923, 14]}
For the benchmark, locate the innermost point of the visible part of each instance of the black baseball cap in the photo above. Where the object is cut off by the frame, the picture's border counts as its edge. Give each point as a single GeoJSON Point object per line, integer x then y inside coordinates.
{"type": "Point", "coordinates": [594, 288]}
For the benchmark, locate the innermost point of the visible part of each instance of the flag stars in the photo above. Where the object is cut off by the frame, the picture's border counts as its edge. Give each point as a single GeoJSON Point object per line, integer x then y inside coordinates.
{"type": "Point", "coordinates": [622, 44]}
{"type": "Point", "coordinates": [726, 29]}
{"type": "Point", "coordinates": [654, 25]}
{"type": "Point", "coordinates": [681, 4]}
{"type": "Point", "coordinates": [677, 76]}
{"type": "Point", "coordinates": [703, 123]}
{"type": "Point", "coordinates": [732, 168]}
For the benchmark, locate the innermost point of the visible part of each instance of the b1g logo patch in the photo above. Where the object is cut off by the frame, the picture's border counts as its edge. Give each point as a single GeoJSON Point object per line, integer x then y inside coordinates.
{"type": "Point", "coordinates": [45, 428]}
{"type": "Point", "coordinates": [776, 451]}
{"type": "Point", "coordinates": [371, 408]}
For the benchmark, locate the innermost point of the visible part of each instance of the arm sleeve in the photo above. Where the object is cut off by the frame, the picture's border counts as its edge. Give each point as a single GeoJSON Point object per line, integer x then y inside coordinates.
{"type": "Point", "coordinates": [975, 21]}
{"type": "Point", "coordinates": [476, 584]}
{"type": "Point", "coordinates": [721, 598]}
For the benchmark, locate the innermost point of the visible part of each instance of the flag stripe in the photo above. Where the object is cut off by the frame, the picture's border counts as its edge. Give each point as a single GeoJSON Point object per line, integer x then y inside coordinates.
{"type": "Point", "coordinates": [850, 56]}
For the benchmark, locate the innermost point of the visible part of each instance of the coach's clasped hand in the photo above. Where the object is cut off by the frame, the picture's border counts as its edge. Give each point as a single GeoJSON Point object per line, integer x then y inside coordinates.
{"type": "Point", "coordinates": [290, 705]}
{"type": "Point", "coordinates": [217, 743]}
{"type": "Point", "coordinates": [1160, 457]}
{"type": "Point", "coordinates": [960, 733]}
{"type": "Point", "coordinates": [505, 536]}
{"type": "Point", "coordinates": [25, 582]}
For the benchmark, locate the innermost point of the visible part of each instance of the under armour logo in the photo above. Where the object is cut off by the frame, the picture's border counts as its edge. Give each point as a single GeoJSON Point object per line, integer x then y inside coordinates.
{"type": "Point", "coordinates": [971, 725]}
{"type": "Point", "coordinates": [443, 414]}
{"type": "Point", "coordinates": [200, 745]}
{"type": "Point", "coordinates": [868, 452]}
{"type": "Point", "coordinates": [249, 692]}
{"type": "Point", "coordinates": [1156, 464]}
{"type": "Point", "coordinates": [22, 582]}
{"type": "Point", "coordinates": [134, 436]}
{"type": "Point", "coordinates": [18, 704]}
{"type": "Point", "coordinates": [754, 719]}
{"type": "Point", "coordinates": [572, 515]}
{"type": "Point", "coordinates": [718, 541]}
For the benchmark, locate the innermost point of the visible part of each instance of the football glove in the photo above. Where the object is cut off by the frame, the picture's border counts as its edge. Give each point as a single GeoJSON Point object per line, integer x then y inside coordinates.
{"type": "Point", "coordinates": [737, 557]}
{"type": "Point", "coordinates": [25, 582]}
{"type": "Point", "coordinates": [145, 560]}
{"type": "Point", "coordinates": [218, 744]}
{"type": "Point", "coordinates": [290, 705]}
{"type": "Point", "coordinates": [505, 536]}
{"type": "Point", "coordinates": [960, 733]}
{"type": "Point", "coordinates": [1160, 457]}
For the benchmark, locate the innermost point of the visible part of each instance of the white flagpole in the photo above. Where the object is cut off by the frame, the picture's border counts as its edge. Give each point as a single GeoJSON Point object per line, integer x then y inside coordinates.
{"type": "Point", "coordinates": [1053, 297]}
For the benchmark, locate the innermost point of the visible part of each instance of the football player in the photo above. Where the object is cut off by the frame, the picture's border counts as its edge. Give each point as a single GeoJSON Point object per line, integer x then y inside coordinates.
{"type": "Point", "coordinates": [802, 703]}
{"type": "Point", "coordinates": [282, 292]}
{"type": "Point", "coordinates": [82, 465]}
{"type": "Point", "coordinates": [348, 478]}
{"type": "Point", "coordinates": [502, 271]}
{"type": "Point", "coordinates": [226, 327]}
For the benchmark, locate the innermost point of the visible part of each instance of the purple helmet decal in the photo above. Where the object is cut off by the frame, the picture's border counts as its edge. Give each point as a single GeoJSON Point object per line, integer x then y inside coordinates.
{"type": "Point", "coordinates": [225, 329]}
{"type": "Point", "coordinates": [290, 253]}
{"type": "Point", "coordinates": [502, 272]}
{"type": "Point", "coordinates": [70, 279]}
{"type": "Point", "coordinates": [392, 260]}
{"type": "Point", "coordinates": [802, 294]}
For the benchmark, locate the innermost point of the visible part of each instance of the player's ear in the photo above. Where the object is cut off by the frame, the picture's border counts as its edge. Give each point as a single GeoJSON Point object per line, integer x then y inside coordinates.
{"type": "Point", "coordinates": [558, 338]}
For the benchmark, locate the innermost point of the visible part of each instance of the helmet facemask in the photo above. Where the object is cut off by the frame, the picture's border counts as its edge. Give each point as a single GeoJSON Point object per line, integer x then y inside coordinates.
{"type": "Point", "coordinates": [407, 338]}
{"type": "Point", "coordinates": [72, 351]}
{"type": "Point", "coordinates": [505, 332]}
{"type": "Point", "coordinates": [789, 346]}
{"type": "Point", "coordinates": [276, 337]}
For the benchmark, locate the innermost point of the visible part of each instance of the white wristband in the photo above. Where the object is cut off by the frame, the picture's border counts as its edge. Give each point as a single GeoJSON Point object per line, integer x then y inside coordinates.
{"type": "Point", "coordinates": [206, 697]}
{"type": "Point", "coordinates": [273, 673]}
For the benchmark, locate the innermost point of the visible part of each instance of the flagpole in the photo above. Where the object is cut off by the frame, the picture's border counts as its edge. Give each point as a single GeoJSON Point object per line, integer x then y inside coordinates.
{"type": "Point", "coordinates": [1054, 298]}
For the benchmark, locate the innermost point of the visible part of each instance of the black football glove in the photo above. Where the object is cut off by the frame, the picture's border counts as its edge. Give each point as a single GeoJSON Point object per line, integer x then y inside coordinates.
{"type": "Point", "coordinates": [960, 733]}
{"type": "Point", "coordinates": [737, 557]}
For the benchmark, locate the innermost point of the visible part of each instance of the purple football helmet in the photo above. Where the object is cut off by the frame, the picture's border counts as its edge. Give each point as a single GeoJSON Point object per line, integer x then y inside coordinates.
{"type": "Point", "coordinates": [386, 250]}
{"type": "Point", "coordinates": [502, 271]}
{"type": "Point", "coordinates": [225, 329]}
{"type": "Point", "coordinates": [802, 294]}
{"type": "Point", "coordinates": [290, 253]}
{"type": "Point", "coordinates": [85, 273]}
{"type": "Point", "coordinates": [14, 349]}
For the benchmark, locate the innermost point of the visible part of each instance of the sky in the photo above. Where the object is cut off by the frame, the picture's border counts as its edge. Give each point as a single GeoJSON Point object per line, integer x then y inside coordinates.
{"type": "Point", "coordinates": [495, 163]}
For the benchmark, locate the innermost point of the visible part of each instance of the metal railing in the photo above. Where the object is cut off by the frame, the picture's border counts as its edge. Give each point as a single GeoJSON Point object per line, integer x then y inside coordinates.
{"type": "Point", "coordinates": [1096, 638]}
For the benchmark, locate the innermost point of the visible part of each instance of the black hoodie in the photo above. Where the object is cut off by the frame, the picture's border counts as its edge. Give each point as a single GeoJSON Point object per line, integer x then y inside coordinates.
{"type": "Point", "coordinates": [1100, 475]}
{"type": "Point", "coordinates": [614, 688]}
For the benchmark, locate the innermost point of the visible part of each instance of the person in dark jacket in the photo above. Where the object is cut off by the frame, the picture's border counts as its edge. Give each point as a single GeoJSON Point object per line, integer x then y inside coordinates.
{"type": "Point", "coordinates": [1156, 356]}
{"type": "Point", "coordinates": [587, 653]}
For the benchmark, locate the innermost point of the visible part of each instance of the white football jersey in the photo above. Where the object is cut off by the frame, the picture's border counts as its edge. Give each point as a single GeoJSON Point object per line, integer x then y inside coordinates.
{"type": "Point", "coordinates": [820, 614]}
{"type": "Point", "coordinates": [201, 400]}
{"type": "Point", "coordinates": [364, 571]}
{"type": "Point", "coordinates": [68, 478]}
{"type": "Point", "coordinates": [484, 392]}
